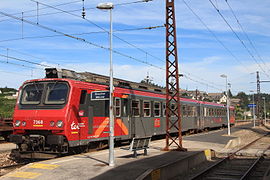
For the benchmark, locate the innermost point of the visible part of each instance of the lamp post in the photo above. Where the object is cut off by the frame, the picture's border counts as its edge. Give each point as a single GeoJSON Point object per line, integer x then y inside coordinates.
{"type": "Point", "coordinates": [227, 104]}
{"type": "Point", "coordinates": [109, 6]}
{"type": "Point", "coordinates": [254, 119]}
{"type": "Point", "coordinates": [264, 108]}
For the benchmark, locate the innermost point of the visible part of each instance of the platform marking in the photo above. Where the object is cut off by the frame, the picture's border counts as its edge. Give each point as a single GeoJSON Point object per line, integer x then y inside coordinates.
{"type": "Point", "coordinates": [27, 175]}
{"type": "Point", "coordinates": [44, 166]}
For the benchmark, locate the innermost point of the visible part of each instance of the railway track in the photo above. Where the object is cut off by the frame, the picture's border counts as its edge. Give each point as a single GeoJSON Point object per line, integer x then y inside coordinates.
{"type": "Point", "coordinates": [241, 164]}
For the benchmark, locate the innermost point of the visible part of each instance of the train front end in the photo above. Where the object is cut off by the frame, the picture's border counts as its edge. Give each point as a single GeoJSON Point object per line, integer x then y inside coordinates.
{"type": "Point", "coordinates": [40, 118]}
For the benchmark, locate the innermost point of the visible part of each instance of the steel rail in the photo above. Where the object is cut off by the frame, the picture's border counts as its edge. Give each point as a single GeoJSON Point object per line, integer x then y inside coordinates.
{"type": "Point", "coordinates": [253, 166]}
{"type": "Point", "coordinates": [229, 157]}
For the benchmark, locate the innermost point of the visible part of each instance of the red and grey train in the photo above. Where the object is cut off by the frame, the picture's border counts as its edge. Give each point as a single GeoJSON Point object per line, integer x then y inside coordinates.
{"type": "Point", "coordinates": [55, 114]}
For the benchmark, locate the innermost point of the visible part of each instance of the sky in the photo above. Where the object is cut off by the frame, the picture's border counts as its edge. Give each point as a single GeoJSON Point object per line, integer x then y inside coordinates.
{"type": "Point", "coordinates": [203, 53]}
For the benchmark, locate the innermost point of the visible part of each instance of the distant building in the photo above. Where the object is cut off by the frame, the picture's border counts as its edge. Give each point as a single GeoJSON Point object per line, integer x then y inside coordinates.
{"type": "Point", "coordinates": [235, 101]}
{"type": "Point", "coordinates": [217, 97]}
{"type": "Point", "coordinates": [11, 95]}
{"type": "Point", "coordinates": [1, 92]}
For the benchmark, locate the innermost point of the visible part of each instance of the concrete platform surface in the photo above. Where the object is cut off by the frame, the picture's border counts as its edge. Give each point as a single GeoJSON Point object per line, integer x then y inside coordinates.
{"type": "Point", "coordinates": [94, 165]}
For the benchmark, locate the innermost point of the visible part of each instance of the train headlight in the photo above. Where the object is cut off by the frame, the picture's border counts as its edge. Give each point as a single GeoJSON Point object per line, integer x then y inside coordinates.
{"type": "Point", "coordinates": [52, 123]}
{"type": "Point", "coordinates": [59, 124]}
{"type": "Point", "coordinates": [23, 123]}
{"type": "Point", "coordinates": [17, 123]}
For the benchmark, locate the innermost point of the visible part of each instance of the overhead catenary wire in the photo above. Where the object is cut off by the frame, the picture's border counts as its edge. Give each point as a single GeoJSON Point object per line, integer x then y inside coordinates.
{"type": "Point", "coordinates": [83, 33]}
{"type": "Point", "coordinates": [215, 36]}
{"type": "Point", "coordinates": [23, 60]}
{"type": "Point", "coordinates": [91, 22]}
{"type": "Point", "coordinates": [34, 10]}
{"type": "Point", "coordinates": [20, 52]}
{"type": "Point", "coordinates": [74, 10]}
{"type": "Point", "coordinates": [244, 32]}
{"type": "Point", "coordinates": [241, 41]}
{"type": "Point", "coordinates": [122, 54]}
{"type": "Point", "coordinates": [22, 65]}
{"type": "Point", "coordinates": [79, 39]}
{"type": "Point", "coordinates": [85, 41]}
{"type": "Point", "coordinates": [149, 54]}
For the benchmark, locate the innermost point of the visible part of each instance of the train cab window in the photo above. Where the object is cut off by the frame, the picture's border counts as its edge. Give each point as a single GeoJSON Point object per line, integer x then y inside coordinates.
{"type": "Point", "coordinates": [56, 93]}
{"type": "Point", "coordinates": [157, 109]}
{"type": "Point", "coordinates": [135, 107]}
{"type": "Point", "coordinates": [146, 109]}
{"type": "Point", "coordinates": [117, 107]}
{"type": "Point", "coordinates": [83, 96]}
{"type": "Point", "coordinates": [32, 93]}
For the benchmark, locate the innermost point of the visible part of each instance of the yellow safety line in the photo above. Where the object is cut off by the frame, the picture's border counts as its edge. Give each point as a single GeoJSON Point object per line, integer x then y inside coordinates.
{"type": "Point", "coordinates": [44, 166]}
{"type": "Point", "coordinates": [27, 175]}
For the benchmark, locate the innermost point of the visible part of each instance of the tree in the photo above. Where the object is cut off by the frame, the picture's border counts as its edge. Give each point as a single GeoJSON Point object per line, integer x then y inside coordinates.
{"type": "Point", "coordinates": [244, 100]}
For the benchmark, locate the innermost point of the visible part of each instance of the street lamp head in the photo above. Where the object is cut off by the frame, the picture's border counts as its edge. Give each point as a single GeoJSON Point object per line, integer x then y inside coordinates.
{"type": "Point", "coordinates": [105, 6]}
{"type": "Point", "coordinates": [223, 76]}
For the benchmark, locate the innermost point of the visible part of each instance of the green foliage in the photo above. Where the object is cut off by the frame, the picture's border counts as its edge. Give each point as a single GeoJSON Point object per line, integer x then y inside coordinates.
{"type": "Point", "coordinates": [6, 89]}
{"type": "Point", "coordinates": [7, 105]}
{"type": "Point", "coordinates": [244, 100]}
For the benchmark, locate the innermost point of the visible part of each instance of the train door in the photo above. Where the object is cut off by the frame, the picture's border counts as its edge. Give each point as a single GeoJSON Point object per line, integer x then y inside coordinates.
{"type": "Point", "coordinates": [125, 116]}
{"type": "Point", "coordinates": [86, 115]}
{"type": "Point", "coordinates": [201, 116]}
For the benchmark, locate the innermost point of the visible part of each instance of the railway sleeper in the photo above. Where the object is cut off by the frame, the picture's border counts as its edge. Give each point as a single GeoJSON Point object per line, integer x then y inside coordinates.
{"type": "Point", "coordinates": [231, 173]}
{"type": "Point", "coordinates": [220, 178]}
{"type": "Point", "coordinates": [234, 172]}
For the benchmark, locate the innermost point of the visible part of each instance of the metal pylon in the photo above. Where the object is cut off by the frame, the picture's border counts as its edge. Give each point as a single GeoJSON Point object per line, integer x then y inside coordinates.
{"type": "Point", "coordinates": [258, 100]}
{"type": "Point", "coordinates": [173, 114]}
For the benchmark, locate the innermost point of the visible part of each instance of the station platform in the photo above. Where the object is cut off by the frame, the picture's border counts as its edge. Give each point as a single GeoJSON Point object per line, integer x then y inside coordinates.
{"type": "Point", "coordinates": [157, 164]}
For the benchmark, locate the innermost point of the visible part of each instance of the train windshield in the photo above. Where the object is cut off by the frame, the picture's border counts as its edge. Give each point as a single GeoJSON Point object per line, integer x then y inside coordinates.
{"type": "Point", "coordinates": [32, 93]}
{"type": "Point", "coordinates": [44, 94]}
{"type": "Point", "coordinates": [56, 93]}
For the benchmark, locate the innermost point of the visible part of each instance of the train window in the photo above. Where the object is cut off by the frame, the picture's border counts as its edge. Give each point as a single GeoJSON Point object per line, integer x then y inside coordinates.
{"type": "Point", "coordinates": [135, 107]}
{"type": "Point", "coordinates": [184, 110]}
{"type": "Point", "coordinates": [164, 109]}
{"type": "Point", "coordinates": [190, 111]}
{"type": "Point", "coordinates": [194, 111]}
{"type": "Point", "coordinates": [56, 93]}
{"type": "Point", "coordinates": [210, 112]}
{"type": "Point", "coordinates": [173, 108]}
{"type": "Point", "coordinates": [205, 112]}
{"type": "Point", "coordinates": [32, 93]}
{"type": "Point", "coordinates": [157, 109]}
{"type": "Point", "coordinates": [83, 96]}
{"type": "Point", "coordinates": [146, 109]}
{"type": "Point", "coordinates": [117, 107]}
{"type": "Point", "coordinates": [125, 106]}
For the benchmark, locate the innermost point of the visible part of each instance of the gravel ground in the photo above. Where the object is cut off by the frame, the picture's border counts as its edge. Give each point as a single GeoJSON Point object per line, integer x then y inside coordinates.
{"type": "Point", "coordinates": [5, 161]}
